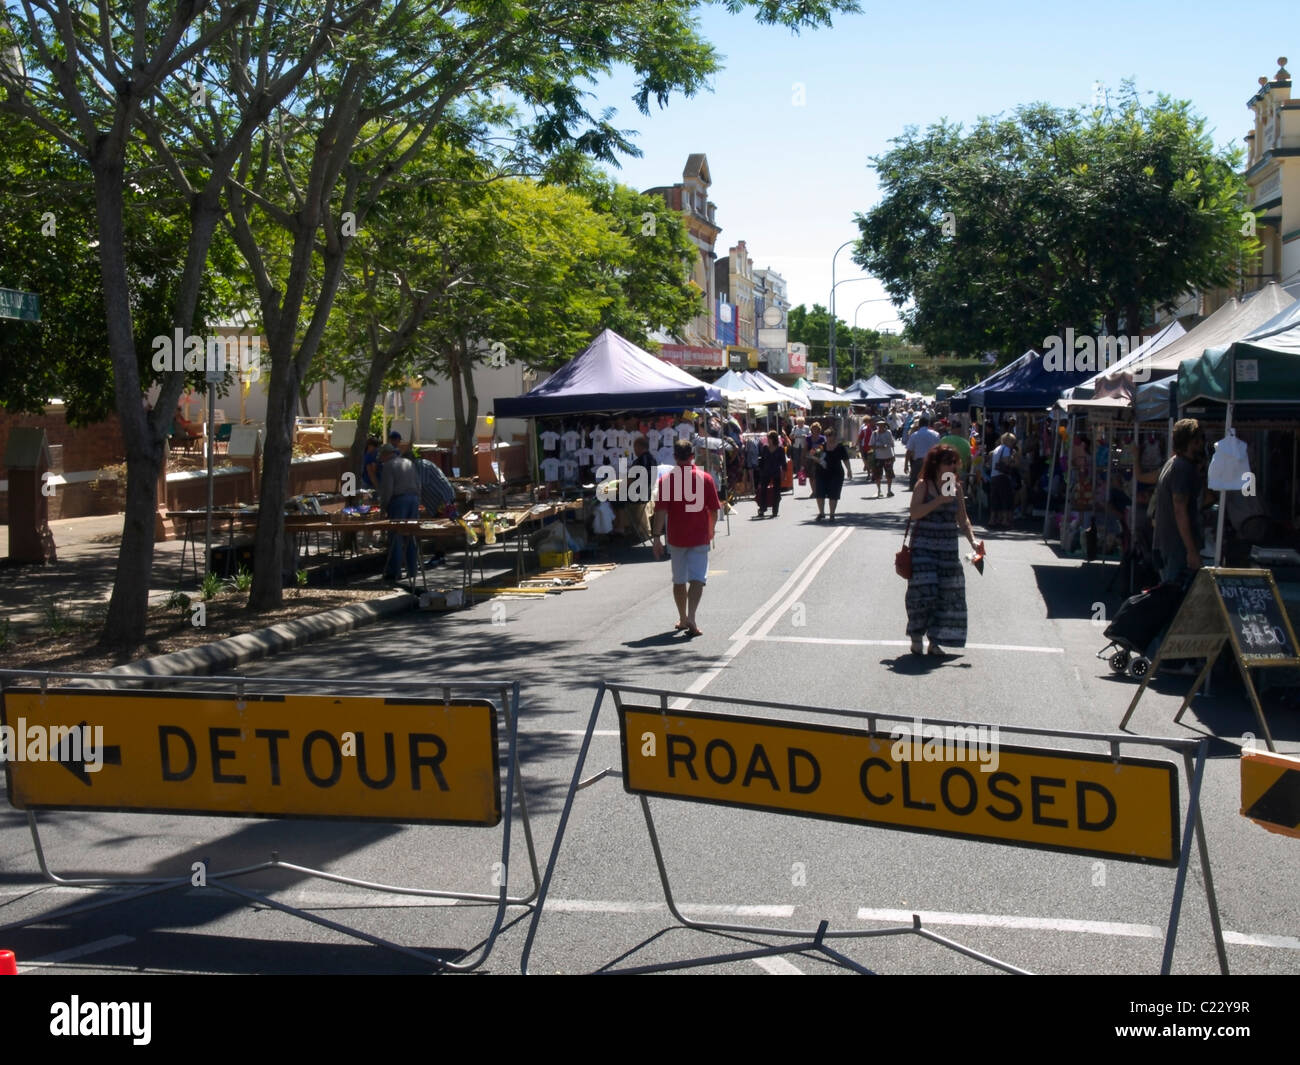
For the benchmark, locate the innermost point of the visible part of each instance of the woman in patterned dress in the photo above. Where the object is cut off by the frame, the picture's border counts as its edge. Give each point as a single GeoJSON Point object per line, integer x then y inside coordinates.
{"type": "Point", "coordinates": [936, 593]}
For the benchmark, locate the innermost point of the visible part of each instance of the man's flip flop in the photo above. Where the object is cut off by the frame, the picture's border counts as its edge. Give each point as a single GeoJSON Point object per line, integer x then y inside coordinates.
{"type": "Point", "coordinates": [692, 631]}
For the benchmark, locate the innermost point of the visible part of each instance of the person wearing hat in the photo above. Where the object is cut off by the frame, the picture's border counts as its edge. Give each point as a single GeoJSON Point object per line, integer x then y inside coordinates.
{"type": "Point", "coordinates": [399, 493]}
{"type": "Point", "coordinates": [882, 444]}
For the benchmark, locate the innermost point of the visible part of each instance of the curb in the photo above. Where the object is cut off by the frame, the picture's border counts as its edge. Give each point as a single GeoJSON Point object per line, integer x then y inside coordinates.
{"type": "Point", "coordinates": [223, 655]}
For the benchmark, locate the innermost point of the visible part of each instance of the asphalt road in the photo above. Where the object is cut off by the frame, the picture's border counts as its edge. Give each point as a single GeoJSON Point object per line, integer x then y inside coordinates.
{"type": "Point", "coordinates": [795, 612]}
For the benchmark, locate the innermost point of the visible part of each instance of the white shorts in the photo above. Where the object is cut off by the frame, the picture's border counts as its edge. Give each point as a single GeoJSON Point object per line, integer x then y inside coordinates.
{"type": "Point", "coordinates": [690, 564]}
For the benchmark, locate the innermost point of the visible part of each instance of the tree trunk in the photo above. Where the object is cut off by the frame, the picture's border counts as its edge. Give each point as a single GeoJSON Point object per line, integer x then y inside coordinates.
{"type": "Point", "coordinates": [471, 408]}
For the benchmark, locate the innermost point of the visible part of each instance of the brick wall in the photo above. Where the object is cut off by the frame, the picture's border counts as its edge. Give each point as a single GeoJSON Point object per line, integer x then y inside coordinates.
{"type": "Point", "coordinates": [88, 448]}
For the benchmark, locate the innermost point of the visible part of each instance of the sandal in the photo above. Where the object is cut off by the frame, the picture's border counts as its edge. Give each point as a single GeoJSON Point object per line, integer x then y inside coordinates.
{"type": "Point", "coordinates": [936, 650]}
{"type": "Point", "coordinates": [917, 648]}
{"type": "Point", "coordinates": [693, 631]}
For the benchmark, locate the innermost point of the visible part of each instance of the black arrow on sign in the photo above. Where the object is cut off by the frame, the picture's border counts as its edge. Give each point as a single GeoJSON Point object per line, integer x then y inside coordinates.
{"type": "Point", "coordinates": [77, 766]}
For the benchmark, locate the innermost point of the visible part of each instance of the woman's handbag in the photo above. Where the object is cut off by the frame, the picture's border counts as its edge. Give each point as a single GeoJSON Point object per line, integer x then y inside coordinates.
{"type": "Point", "coordinates": [903, 560]}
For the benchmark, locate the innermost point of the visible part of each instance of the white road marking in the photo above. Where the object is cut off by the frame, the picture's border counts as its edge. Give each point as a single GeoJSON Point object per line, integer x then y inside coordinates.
{"type": "Point", "coordinates": [569, 732]}
{"type": "Point", "coordinates": [804, 572]}
{"type": "Point", "coordinates": [778, 966]}
{"type": "Point", "coordinates": [907, 643]}
{"type": "Point", "coordinates": [81, 951]}
{"type": "Point", "coordinates": [1066, 924]}
{"type": "Point", "coordinates": [697, 909]}
{"type": "Point", "coordinates": [365, 900]}
{"type": "Point", "coordinates": [833, 542]}
{"type": "Point", "coordinates": [1001, 920]}
{"type": "Point", "coordinates": [1247, 939]}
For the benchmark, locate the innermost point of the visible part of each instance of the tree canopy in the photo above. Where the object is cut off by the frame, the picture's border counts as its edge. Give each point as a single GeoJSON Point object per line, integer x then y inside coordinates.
{"type": "Point", "coordinates": [1052, 218]}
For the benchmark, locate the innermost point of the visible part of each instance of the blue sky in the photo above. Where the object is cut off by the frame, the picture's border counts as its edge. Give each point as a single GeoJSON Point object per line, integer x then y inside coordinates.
{"type": "Point", "coordinates": [793, 120]}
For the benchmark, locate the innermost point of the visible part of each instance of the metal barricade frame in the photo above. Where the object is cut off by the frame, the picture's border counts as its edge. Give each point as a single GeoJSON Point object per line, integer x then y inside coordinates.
{"type": "Point", "coordinates": [1193, 752]}
{"type": "Point", "coordinates": [506, 710]}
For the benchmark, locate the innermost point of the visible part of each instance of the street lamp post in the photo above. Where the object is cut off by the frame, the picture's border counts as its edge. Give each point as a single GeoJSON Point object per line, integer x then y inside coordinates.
{"type": "Point", "coordinates": [882, 299]}
{"type": "Point", "coordinates": [834, 372]}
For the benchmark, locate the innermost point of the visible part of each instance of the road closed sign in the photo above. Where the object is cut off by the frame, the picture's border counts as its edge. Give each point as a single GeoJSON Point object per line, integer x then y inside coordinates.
{"type": "Point", "coordinates": [954, 781]}
{"type": "Point", "coordinates": [318, 756]}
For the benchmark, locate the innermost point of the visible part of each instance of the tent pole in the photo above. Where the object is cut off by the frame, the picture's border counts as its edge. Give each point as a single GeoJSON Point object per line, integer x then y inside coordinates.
{"type": "Point", "coordinates": [1069, 479]}
{"type": "Point", "coordinates": [1223, 496]}
{"type": "Point", "coordinates": [1051, 478]}
{"type": "Point", "coordinates": [1133, 500]}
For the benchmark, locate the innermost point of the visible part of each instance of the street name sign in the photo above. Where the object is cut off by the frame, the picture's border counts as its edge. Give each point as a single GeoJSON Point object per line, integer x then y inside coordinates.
{"type": "Point", "coordinates": [1072, 801]}
{"type": "Point", "coordinates": [365, 758]}
{"type": "Point", "coordinates": [23, 306]}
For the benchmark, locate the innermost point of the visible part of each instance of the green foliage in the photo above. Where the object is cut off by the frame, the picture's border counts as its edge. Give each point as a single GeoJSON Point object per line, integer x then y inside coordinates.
{"type": "Point", "coordinates": [1051, 219]}
{"type": "Point", "coordinates": [211, 587]}
{"type": "Point", "coordinates": [58, 619]}
{"type": "Point", "coordinates": [241, 581]}
{"type": "Point", "coordinates": [179, 602]}
{"type": "Point", "coordinates": [353, 413]}
{"type": "Point", "coordinates": [300, 578]}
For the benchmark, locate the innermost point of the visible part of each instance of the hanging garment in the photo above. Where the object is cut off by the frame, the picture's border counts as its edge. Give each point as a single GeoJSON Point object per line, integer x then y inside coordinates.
{"type": "Point", "coordinates": [1230, 465]}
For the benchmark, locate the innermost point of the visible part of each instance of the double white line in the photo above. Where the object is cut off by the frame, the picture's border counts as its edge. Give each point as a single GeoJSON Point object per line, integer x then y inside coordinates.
{"type": "Point", "coordinates": [770, 612]}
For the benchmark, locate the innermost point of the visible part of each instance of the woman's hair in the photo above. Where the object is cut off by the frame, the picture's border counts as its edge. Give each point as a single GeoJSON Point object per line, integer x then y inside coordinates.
{"type": "Point", "coordinates": [1008, 440]}
{"type": "Point", "coordinates": [816, 427]}
{"type": "Point", "coordinates": [936, 457]}
{"type": "Point", "coordinates": [774, 437]}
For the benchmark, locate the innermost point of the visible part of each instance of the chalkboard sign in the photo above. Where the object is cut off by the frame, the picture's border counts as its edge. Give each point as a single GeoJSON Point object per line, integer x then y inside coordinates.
{"type": "Point", "coordinates": [1241, 607]}
{"type": "Point", "coordinates": [1257, 620]}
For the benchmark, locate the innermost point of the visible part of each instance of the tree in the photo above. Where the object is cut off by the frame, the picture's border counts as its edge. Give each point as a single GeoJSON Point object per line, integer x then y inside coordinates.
{"type": "Point", "coordinates": [317, 171]}
{"type": "Point", "coordinates": [89, 77]}
{"type": "Point", "coordinates": [1051, 219]}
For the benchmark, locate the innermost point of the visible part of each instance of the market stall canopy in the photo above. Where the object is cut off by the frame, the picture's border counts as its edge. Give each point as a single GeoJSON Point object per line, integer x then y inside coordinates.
{"type": "Point", "coordinates": [826, 395]}
{"type": "Point", "coordinates": [875, 389]}
{"type": "Point", "coordinates": [734, 386]}
{"type": "Point", "coordinates": [1157, 401]}
{"type": "Point", "coordinates": [1027, 384]}
{"type": "Point", "coordinates": [1231, 322]}
{"type": "Point", "coordinates": [961, 402]}
{"type": "Point", "coordinates": [1263, 367]}
{"type": "Point", "coordinates": [612, 374]}
{"type": "Point", "coordinates": [1114, 379]}
{"type": "Point", "coordinates": [795, 397]}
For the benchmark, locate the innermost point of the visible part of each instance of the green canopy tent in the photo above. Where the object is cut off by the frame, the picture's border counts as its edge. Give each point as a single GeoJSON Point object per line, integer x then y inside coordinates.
{"type": "Point", "coordinates": [1263, 368]}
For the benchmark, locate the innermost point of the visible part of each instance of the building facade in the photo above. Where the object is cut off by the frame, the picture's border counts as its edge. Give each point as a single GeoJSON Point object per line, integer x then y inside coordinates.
{"type": "Point", "coordinates": [690, 197]}
{"type": "Point", "coordinates": [734, 280]}
{"type": "Point", "coordinates": [1273, 174]}
{"type": "Point", "coordinates": [771, 306]}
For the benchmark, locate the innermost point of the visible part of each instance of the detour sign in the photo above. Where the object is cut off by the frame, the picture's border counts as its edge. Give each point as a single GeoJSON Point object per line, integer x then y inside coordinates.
{"type": "Point", "coordinates": [1057, 800]}
{"type": "Point", "coordinates": [360, 758]}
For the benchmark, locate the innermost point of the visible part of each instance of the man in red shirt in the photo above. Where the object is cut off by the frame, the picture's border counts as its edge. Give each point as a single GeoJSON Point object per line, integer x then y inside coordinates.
{"type": "Point", "coordinates": [686, 501]}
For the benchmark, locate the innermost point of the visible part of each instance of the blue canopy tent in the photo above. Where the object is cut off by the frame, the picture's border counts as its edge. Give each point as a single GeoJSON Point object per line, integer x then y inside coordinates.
{"type": "Point", "coordinates": [1027, 384]}
{"type": "Point", "coordinates": [874, 389]}
{"type": "Point", "coordinates": [961, 403]}
{"type": "Point", "coordinates": [612, 374]}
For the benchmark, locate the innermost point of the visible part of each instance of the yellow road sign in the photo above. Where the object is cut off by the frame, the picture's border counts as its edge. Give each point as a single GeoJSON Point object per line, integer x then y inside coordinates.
{"type": "Point", "coordinates": [962, 783]}
{"type": "Point", "coordinates": [1270, 791]}
{"type": "Point", "coordinates": [353, 757]}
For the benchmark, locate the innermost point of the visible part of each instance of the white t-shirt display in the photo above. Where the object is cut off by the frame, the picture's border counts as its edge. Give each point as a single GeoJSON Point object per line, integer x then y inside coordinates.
{"type": "Point", "coordinates": [551, 469]}
{"type": "Point", "coordinates": [596, 438]}
{"type": "Point", "coordinates": [569, 467]}
{"type": "Point", "coordinates": [584, 456]}
{"type": "Point", "coordinates": [549, 440]}
{"type": "Point", "coordinates": [571, 440]}
{"type": "Point", "coordinates": [665, 456]}
{"type": "Point", "coordinates": [685, 430]}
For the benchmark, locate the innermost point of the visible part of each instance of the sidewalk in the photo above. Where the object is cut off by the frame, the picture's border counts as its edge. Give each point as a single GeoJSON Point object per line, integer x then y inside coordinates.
{"type": "Point", "coordinates": [81, 581]}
